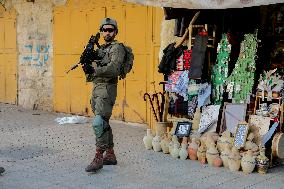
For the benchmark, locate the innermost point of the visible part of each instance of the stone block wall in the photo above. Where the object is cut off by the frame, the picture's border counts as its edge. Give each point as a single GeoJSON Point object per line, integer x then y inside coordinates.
{"type": "Point", "coordinates": [35, 51]}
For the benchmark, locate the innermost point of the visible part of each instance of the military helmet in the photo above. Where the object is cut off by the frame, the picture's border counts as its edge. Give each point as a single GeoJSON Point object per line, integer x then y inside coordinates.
{"type": "Point", "coordinates": [109, 21]}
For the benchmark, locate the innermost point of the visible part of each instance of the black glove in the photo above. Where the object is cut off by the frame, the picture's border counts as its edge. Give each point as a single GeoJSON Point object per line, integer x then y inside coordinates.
{"type": "Point", "coordinates": [94, 39]}
{"type": "Point", "coordinates": [88, 69]}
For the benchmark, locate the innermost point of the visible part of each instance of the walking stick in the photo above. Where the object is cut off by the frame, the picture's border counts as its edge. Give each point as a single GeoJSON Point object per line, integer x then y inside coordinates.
{"type": "Point", "coordinates": [152, 105]}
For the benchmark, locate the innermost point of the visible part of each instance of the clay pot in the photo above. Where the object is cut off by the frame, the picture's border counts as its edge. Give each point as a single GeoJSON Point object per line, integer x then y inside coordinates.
{"type": "Point", "coordinates": [234, 159]}
{"type": "Point", "coordinates": [223, 140]}
{"type": "Point", "coordinates": [156, 143]}
{"type": "Point", "coordinates": [202, 160]}
{"type": "Point", "coordinates": [147, 140]}
{"type": "Point", "coordinates": [201, 153]}
{"type": "Point", "coordinates": [262, 162]}
{"type": "Point", "coordinates": [211, 154]}
{"type": "Point", "coordinates": [165, 144]}
{"type": "Point", "coordinates": [183, 151]}
{"type": "Point", "coordinates": [225, 155]}
{"type": "Point", "coordinates": [249, 145]}
{"type": "Point", "coordinates": [248, 162]}
{"type": "Point", "coordinates": [175, 151]}
{"type": "Point", "coordinates": [217, 162]}
{"type": "Point", "coordinates": [161, 127]}
{"type": "Point", "coordinates": [173, 143]}
{"type": "Point", "coordinates": [192, 149]}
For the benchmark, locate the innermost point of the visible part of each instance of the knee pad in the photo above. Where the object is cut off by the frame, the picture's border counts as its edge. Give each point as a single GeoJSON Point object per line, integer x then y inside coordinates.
{"type": "Point", "coordinates": [99, 125]}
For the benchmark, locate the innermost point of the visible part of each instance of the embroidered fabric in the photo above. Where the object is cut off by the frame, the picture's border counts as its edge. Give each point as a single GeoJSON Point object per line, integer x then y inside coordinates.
{"type": "Point", "coordinates": [186, 59]}
{"type": "Point", "coordinates": [204, 93]}
{"type": "Point", "coordinates": [192, 106]}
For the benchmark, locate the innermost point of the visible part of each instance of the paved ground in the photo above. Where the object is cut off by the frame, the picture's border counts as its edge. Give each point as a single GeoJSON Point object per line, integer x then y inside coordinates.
{"type": "Point", "coordinates": [38, 153]}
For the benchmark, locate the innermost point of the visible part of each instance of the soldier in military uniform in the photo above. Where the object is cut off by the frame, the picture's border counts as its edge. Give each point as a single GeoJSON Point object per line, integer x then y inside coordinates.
{"type": "Point", "coordinates": [104, 75]}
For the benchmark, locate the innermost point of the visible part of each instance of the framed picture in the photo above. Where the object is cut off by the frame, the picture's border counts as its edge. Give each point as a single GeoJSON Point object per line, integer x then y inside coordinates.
{"type": "Point", "coordinates": [183, 129]}
{"type": "Point", "coordinates": [241, 134]}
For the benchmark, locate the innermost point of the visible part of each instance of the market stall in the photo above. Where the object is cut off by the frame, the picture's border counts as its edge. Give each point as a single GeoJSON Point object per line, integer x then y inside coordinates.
{"type": "Point", "coordinates": [222, 100]}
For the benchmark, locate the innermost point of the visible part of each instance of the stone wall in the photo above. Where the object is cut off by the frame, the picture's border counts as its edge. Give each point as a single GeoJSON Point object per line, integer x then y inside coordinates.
{"type": "Point", "coordinates": [35, 51]}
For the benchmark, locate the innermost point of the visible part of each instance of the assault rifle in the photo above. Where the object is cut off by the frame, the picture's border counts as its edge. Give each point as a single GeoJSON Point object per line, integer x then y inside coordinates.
{"type": "Point", "coordinates": [89, 55]}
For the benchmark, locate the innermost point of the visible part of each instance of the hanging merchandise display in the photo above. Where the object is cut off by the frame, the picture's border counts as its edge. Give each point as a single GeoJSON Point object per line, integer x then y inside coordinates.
{"type": "Point", "coordinates": [220, 69]}
{"type": "Point", "coordinates": [198, 56]}
{"type": "Point", "coordinates": [178, 83]}
{"type": "Point", "coordinates": [240, 82]}
{"type": "Point", "coordinates": [270, 82]}
{"type": "Point", "coordinates": [204, 94]}
{"type": "Point", "coordinates": [209, 108]}
{"type": "Point", "coordinates": [186, 59]}
{"type": "Point", "coordinates": [168, 62]}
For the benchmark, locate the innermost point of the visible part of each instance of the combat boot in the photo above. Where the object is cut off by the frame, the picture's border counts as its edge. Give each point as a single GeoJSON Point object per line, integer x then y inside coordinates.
{"type": "Point", "coordinates": [109, 157]}
{"type": "Point", "coordinates": [97, 162]}
{"type": "Point", "coordinates": [2, 170]}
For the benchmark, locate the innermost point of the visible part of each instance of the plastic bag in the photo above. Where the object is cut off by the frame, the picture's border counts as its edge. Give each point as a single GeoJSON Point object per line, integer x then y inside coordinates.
{"type": "Point", "coordinates": [72, 119]}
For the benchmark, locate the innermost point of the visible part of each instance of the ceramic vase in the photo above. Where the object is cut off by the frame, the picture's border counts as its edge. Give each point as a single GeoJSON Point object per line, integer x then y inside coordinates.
{"type": "Point", "coordinates": [183, 151]}
{"type": "Point", "coordinates": [192, 149]}
{"type": "Point", "coordinates": [248, 162]}
{"type": "Point", "coordinates": [211, 154]}
{"type": "Point", "coordinates": [217, 162]}
{"type": "Point", "coordinates": [173, 142]}
{"type": "Point", "coordinates": [175, 151]}
{"type": "Point", "coordinates": [234, 159]}
{"type": "Point", "coordinates": [201, 153]}
{"type": "Point", "coordinates": [156, 142]}
{"type": "Point", "coordinates": [147, 139]}
{"type": "Point", "coordinates": [250, 145]}
{"type": "Point", "coordinates": [161, 127]}
{"type": "Point", "coordinates": [225, 155]}
{"type": "Point", "coordinates": [165, 144]}
{"type": "Point", "coordinates": [223, 140]}
{"type": "Point", "coordinates": [262, 162]}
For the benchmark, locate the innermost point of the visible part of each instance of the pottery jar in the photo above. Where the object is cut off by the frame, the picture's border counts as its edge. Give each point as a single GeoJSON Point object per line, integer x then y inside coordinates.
{"type": "Point", "coordinates": [234, 159]}
{"type": "Point", "coordinates": [262, 162]}
{"type": "Point", "coordinates": [217, 162]}
{"type": "Point", "coordinates": [225, 155]}
{"type": "Point", "coordinates": [183, 151]}
{"type": "Point", "coordinates": [156, 143]}
{"type": "Point", "coordinates": [175, 140]}
{"type": "Point", "coordinates": [248, 162]}
{"type": "Point", "coordinates": [201, 153]}
{"type": "Point", "coordinates": [224, 139]}
{"type": "Point", "coordinates": [211, 154]}
{"type": "Point", "coordinates": [165, 144]}
{"type": "Point", "coordinates": [250, 145]}
{"type": "Point", "coordinates": [175, 151]}
{"type": "Point", "coordinates": [192, 149]}
{"type": "Point", "coordinates": [161, 127]}
{"type": "Point", "coordinates": [147, 139]}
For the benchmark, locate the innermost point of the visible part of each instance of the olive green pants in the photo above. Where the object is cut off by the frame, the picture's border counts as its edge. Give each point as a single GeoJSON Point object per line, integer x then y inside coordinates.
{"type": "Point", "coordinates": [102, 101]}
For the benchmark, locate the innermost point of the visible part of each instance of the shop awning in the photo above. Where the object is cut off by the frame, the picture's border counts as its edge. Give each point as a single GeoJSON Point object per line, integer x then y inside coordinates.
{"type": "Point", "coordinates": [205, 4]}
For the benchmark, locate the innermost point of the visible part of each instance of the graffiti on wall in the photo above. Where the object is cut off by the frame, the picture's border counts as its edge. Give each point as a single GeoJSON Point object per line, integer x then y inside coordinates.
{"type": "Point", "coordinates": [36, 54]}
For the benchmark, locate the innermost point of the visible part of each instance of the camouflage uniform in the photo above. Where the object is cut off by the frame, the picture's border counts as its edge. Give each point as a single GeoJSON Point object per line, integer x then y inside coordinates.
{"type": "Point", "coordinates": [105, 78]}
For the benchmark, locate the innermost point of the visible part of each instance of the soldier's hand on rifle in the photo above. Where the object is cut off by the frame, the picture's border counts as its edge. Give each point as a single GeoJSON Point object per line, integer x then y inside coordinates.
{"type": "Point", "coordinates": [95, 39]}
{"type": "Point", "coordinates": [88, 69]}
